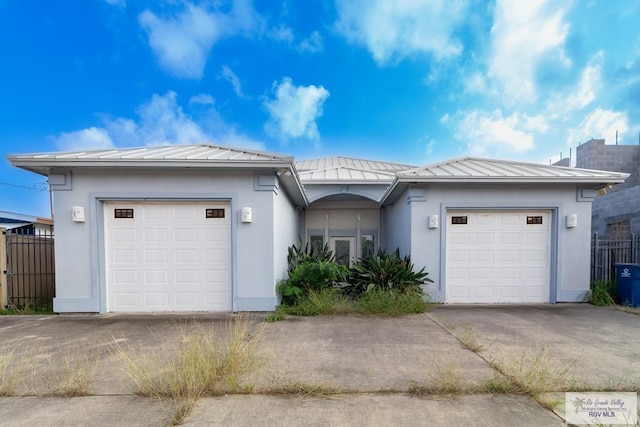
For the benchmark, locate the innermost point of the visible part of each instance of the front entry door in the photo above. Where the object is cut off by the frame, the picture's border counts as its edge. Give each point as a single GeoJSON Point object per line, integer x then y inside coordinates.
{"type": "Point", "coordinates": [344, 249]}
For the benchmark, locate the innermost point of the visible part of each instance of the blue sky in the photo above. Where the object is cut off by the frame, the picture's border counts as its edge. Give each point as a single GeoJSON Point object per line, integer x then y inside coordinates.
{"type": "Point", "coordinates": [410, 81]}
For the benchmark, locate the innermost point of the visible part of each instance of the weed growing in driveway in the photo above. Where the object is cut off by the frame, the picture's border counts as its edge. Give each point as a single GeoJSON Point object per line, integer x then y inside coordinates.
{"type": "Point", "coordinates": [632, 310]}
{"type": "Point", "coordinates": [535, 372]}
{"type": "Point", "coordinates": [602, 293]}
{"type": "Point", "coordinates": [391, 303]}
{"type": "Point", "coordinates": [205, 362]}
{"type": "Point", "coordinates": [11, 371]}
{"type": "Point", "coordinates": [69, 375]}
{"type": "Point", "coordinates": [443, 377]}
{"type": "Point", "coordinates": [469, 339]}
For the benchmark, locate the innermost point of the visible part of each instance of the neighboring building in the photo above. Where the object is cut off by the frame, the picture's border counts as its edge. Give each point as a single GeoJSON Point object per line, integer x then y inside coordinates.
{"type": "Point", "coordinates": [206, 228]}
{"type": "Point", "coordinates": [25, 224]}
{"type": "Point", "coordinates": [616, 211]}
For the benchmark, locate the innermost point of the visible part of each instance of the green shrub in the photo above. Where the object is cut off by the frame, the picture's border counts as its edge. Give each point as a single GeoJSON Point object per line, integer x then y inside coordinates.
{"type": "Point", "coordinates": [386, 272]}
{"type": "Point", "coordinates": [602, 293]}
{"type": "Point", "coordinates": [311, 276]}
{"type": "Point", "coordinates": [307, 252]}
{"type": "Point", "coordinates": [317, 302]}
{"type": "Point", "coordinates": [390, 303]}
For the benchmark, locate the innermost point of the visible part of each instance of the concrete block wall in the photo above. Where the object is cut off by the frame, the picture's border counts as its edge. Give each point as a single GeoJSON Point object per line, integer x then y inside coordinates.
{"type": "Point", "coordinates": [595, 154]}
{"type": "Point", "coordinates": [623, 200]}
{"type": "Point", "coordinates": [614, 207]}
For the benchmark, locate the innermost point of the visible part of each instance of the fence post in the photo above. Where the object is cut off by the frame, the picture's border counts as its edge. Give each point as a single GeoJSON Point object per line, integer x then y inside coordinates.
{"type": "Point", "coordinates": [594, 257]}
{"type": "Point", "coordinates": [3, 268]}
{"type": "Point", "coordinates": [632, 258]}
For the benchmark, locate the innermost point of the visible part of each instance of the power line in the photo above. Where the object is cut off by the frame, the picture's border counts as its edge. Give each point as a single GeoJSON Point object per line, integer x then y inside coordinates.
{"type": "Point", "coordinates": [38, 187]}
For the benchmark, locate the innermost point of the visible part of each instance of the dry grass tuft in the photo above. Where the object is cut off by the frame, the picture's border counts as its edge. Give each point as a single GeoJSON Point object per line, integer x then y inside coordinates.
{"type": "Point", "coordinates": [205, 362]}
{"type": "Point", "coordinates": [443, 377]}
{"type": "Point", "coordinates": [283, 384]}
{"type": "Point", "coordinates": [534, 371]}
{"type": "Point", "coordinates": [70, 375]}
{"type": "Point", "coordinates": [469, 338]}
{"type": "Point", "coordinates": [11, 372]}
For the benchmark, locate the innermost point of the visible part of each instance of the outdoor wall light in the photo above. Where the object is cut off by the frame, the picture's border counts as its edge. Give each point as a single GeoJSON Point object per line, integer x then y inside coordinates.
{"type": "Point", "coordinates": [434, 221]}
{"type": "Point", "coordinates": [572, 221]}
{"type": "Point", "coordinates": [77, 214]}
{"type": "Point", "coordinates": [246, 215]}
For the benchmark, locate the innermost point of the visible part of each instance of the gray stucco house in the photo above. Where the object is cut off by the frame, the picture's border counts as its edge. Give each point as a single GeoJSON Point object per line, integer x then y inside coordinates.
{"type": "Point", "coordinates": [206, 228]}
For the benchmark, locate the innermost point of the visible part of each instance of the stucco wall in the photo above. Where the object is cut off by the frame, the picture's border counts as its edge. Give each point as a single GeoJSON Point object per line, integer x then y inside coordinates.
{"type": "Point", "coordinates": [286, 222]}
{"type": "Point", "coordinates": [80, 285]}
{"type": "Point", "coordinates": [573, 244]}
{"type": "Point", "coordinates": [395, 224]}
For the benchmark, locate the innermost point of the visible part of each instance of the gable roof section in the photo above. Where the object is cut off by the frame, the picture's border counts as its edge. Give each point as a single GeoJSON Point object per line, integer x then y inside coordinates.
{"type": "Point", "coordinates": [341, 170]}
{"type": "Point", "coordinates": [205, 156]}
{"type": "Point", "coordinates": [479, 170]}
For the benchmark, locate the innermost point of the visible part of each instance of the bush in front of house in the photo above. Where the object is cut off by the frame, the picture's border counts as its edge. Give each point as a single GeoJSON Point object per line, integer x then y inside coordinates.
{"type": "Point", "coordinates": [382, 284]}
{"type": "Point", "coordinates": [386, 272]}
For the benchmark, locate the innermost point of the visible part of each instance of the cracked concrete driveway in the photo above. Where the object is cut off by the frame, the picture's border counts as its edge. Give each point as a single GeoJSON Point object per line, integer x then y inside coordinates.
{"type": "Point", "coordinates": [370, 363]}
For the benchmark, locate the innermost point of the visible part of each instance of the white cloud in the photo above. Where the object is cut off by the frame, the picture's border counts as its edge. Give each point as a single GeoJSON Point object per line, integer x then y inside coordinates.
{"type": "Point", "coordinates": [312, 44]}
{"type": "Point", "coordinates": [523, 35]}
{"type": "Point", "coordinates": [93, 138]}
{"type": "Point", "coordinates": [476, 83]}
{"type": "Point", "coordinates": [588, 86]}
{"type": "Point", "coordinates": [161, 121]}
{"type": "Point", "coordinates": [183, 42]}
{"type": "Point", "coordinates": [120, 3]}
{"type": "Point", "coordinates": [281, 33]}
{"type": "Point", "coordinates": [232, 78]}
{"type": "Point", "coordinates": [599, 124]}
{"type": "Point", "coordinates": [203, 98]}
{"type": "Point", "coordinates": [493, 134]}
{"type": "Point", "coordinates": [294, 110]}
{"type": "Point", "coordinates": [284, 34]}
{"type": "Point", "coordinates": [392, 30]}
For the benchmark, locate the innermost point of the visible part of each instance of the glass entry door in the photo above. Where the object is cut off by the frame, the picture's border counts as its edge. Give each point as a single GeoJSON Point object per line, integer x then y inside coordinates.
{"type": "Point", "coordinates": [344, 249]}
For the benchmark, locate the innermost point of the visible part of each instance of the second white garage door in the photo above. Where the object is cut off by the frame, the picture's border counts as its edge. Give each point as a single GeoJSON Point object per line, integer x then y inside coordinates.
{"type": "Point", "coordinates": [498, 256]}
{"type": "Point", "coordinates": [168, 256]}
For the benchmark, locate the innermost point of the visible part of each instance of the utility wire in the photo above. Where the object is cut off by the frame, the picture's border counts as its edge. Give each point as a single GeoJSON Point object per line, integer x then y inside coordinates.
{"type": "Point", "coordinates": [39, 187]}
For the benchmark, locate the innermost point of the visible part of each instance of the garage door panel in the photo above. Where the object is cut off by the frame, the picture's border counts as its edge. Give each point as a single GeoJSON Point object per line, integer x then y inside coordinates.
{"type": "Point", "coordinates": [155, 235]}
{"type": "Point", "coordinates": [185, 256]}
{"type": "Point", "coordinates": [157, 299]}
{"type": "Point", "coordinates": [460, 256]}
{"type": "Point", "coordinates": [507, 273]}
{"type": "Point", "coordinates": [484, 238]}
{"type": "Point", "coordinates": [124, 235]}
{"type": "Point", "coordinates": [483, 273]}
{"type": "Point", "coordinates": [156, 277]}
{"type": "Point", "coordinates": [156, 256]}
{"type": "Point", "coordinates": [481, 255]}
{"type": "Point", "coordinates": [125, 256]}
{"type": "Point", "coordinates": [508, 257]}
{"type": "Point", "coordinates": [168, 257]}
{"type": "Point", "coordinates": [509, 238]}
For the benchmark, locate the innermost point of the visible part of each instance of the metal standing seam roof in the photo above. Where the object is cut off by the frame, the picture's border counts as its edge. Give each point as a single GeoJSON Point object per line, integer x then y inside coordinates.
{"type": "Point", "coordinates": [469, 169]}
{"type": "Point", "coordinates": [181, 156]}
{"type": "Point", "coordinates": [205, 152]}
{"type": "Point", "coordinates": [345, 169]}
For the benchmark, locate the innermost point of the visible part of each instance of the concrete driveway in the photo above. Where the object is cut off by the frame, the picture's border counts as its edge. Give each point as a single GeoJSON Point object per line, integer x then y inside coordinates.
{"type": "Point", "coordinates": [370, 364]}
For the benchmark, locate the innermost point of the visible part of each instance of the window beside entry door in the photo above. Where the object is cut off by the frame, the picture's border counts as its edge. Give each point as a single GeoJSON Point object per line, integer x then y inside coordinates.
{"type": "Point", "coordinates": [343, 250]}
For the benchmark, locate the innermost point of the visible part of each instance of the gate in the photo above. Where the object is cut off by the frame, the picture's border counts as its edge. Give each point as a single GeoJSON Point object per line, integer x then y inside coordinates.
{"type": "Point", "coordinates": [30, 268]}
{"type": "Point", "coordinates": [605, 253]}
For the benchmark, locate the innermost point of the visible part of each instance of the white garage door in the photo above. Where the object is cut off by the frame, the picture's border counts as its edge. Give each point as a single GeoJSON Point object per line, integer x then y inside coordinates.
{"type": "Point", "coordinates": [498, 257]}
{"type": "Point", "coordinates": [168, 256]}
